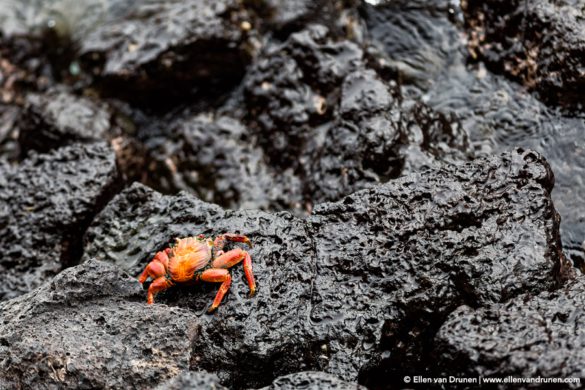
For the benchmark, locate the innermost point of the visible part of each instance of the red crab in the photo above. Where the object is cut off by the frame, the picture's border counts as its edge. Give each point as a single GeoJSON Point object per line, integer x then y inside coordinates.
{"type": "Point", "coordinates": [191, 259]}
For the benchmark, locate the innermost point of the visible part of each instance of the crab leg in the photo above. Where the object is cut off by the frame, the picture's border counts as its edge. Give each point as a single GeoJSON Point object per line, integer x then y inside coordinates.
{"type": "Point", "coordinates": [157, 266]}
{"type": "Point", "coordinates": [157, 270]}
{"type": "Point", "coordinates": [154, 269]}
{"type": "Point", "coordinates": [158, 285]}
{"type": "Point", "coordinates": [233, 257]}
{"type": "Point", "coordinates": [217, 275]}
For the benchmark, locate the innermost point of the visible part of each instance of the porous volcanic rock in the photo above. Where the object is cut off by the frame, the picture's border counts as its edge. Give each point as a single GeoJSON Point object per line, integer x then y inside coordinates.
{"type": "Point", "coordinates": [375, 137]}
{"type": "Point", "coordinates": [215, 158]}
{"type": "Point", "coordinates": [326, 80]}
{"type": "Point", "coordinates": [293, 87]}
{"type": "Point", "coordinates": [395, 260]}
{"type": "Point", "coordinates": [334, 121]}
{"type": "Point", "coordinates": [59, 118]}
{"type": "Point", "coordinates": [45, 204]}
{"type": "Point", "coordinates": [526, 337]}
{"type": "Point", "coordinates": [188, 380]}
{"type": "Point", "coordinates": [90, 328]}
{"type": "Point", "coordinates": [324, 128]}
{"type": "Point", "coordinates": [542, 44]}
{"type": "Point", "coordinates": [362, 285]}
{"type": "Point", "coordinates": [9, 146]}
{"type": "Point", "coordinates": [311, 380]}
{"type": "Point", "coordinates": [248, 338]}
{"type": "Point", "coordinates": [169, 48]}
{"type": "Point", "coordinates": [286, 16]}
{"type": "Point", "coordinates": [413, 40]}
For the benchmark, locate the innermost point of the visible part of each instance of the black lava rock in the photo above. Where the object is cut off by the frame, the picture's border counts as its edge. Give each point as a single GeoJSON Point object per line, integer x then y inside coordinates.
{"type": "Point", "coordinates": [319, 109]}
{"type": "Point", "coordinates": [542, 45]}
{"type": "Point", "coordinates": [286, 157]}
{"type": "Point", "coordinates": [9, 146]}
{"type": "Point", "coordinates": [376, 137]}
{"type": "Point", "coordinates": [394, 261]}
{"type": "Point", "coordinates": [57, 119]}
{"type": "Point", "coordinates": [89, 328]}
{"type": "Point", "coordinates": [45, 204]}
{"type": "Point", "coordinates": [245, 343]}
{"type": "Point", "coordinates": [284, 17]}
{"type": "Point", "coordinates": [362, 285]}
{"type": "Point", "coordinates": [526, 337]}
{"type": "Point", "coordinates": [216, 159]}
{"type": "Point", "coordinates": [311, 380]}
{"type": "Point", "coordinates": [412, 40]}
{"type": "Point", "coordinates": [188, 380]}
{"type": "Point", "coordinates": [169, 49]}
{"type": "Point", "coordinates": [293, 87]}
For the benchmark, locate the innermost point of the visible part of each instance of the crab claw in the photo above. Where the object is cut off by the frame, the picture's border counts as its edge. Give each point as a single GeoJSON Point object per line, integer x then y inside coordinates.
{"type": "Point", "coordinates": [219, 241]}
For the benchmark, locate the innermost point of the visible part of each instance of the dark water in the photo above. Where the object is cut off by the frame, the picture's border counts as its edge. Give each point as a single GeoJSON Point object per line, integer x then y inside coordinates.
{"type": "Point", "coordinates": [425, 43]}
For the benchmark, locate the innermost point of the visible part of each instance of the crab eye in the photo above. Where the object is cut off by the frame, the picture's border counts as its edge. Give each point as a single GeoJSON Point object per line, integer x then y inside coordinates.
{"type": "Point", "coordinates": [201, 236]}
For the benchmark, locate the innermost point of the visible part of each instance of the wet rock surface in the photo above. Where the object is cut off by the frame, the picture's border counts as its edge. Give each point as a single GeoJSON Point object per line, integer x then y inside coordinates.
{"type": "Point", "coordinates": [169, 48]}
{"type": "Point", "coordinates": [427, 46]}
{"type": "Point", "coordinates": [542, 45]}
{"type": "Point", "coordinates": [248, 337]}
{"type": "Point", "coordinates": [193, 380]}
{"type": "Point", "coordinates": [57, 119]}
{"type": "Point", "coordinates": [368, 277]}
{"type": "Point", "coordinates": [335, 122]}
{"type": "Point", "coordinates": [89, 328]}
{"type": "Point", "coordinates": [216, 159]}
{"type": "Point", "coordinates": [528, 336]}
{"type": "Point", "coordinates": [325, 128]}
{"type": "Point", "coordinates": [302, 380]}
{"type": "Point", "coordinates": [280, 106]}
{"type": "Point", "coordinates": [45, 203]}
{"type": "Point", "coordinates": [311, 380]}
{"type": "Point", "coordinates": [285, 17]}
{"type": "Point", "coordinates": [393, 261]}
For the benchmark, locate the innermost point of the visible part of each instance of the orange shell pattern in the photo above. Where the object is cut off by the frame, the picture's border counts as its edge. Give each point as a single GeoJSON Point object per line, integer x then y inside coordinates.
{"type": "Point", "coordinates": [189, 255]}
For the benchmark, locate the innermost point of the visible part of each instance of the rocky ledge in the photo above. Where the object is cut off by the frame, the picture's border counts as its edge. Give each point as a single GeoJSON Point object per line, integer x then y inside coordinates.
{"type": "Point", "coordinates": [526, 337]}
{"type": "Point", "coordinates": [542, 45]}
{"type": "Point", "coordinates": [45, 203]}
{"type": "Point", "coordinates": [358, 289]}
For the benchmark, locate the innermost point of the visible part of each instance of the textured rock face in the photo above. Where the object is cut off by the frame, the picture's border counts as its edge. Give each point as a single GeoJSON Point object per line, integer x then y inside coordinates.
{"type": "Point", "coordinates": [286, 16]}
{"type": "Point", "coordinates": [44, 205]}
{"type": "Point", "coordinates": [311, 380]}
{"type": "Point", "coordinates": [325, 128]}
{"type": "Point", "coordinates": [169, 43]}
{"type": "Point", "coordinates": [215, 158]}
{"type": "Point", "coordinates": [59, 118]}
{"type": "Point", "coordinates": [369, 277]}
{"type": "Point", "coordinates": [283, 105]}
{"type": "Point", "coordinates": [192, 380]}
{"type": "Point", "coordinates": [9, 146]}
{"type": "Point", "coordinates": [393, 261]}
{"type": "Point", "coordinates": [248, 337]}
{"type": "Point", "coordinates": [292, 89]}
{"type": "Point", "coordinates": [335, 122]}
{"type": "Point", "coordinates": [89, 328]}
{"type": "Point", "coordinates": [416, 38]}
{"type": "Point", "coordinates": [528, 336]}
{"type": "Point", "coordinates": [543, 44]}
